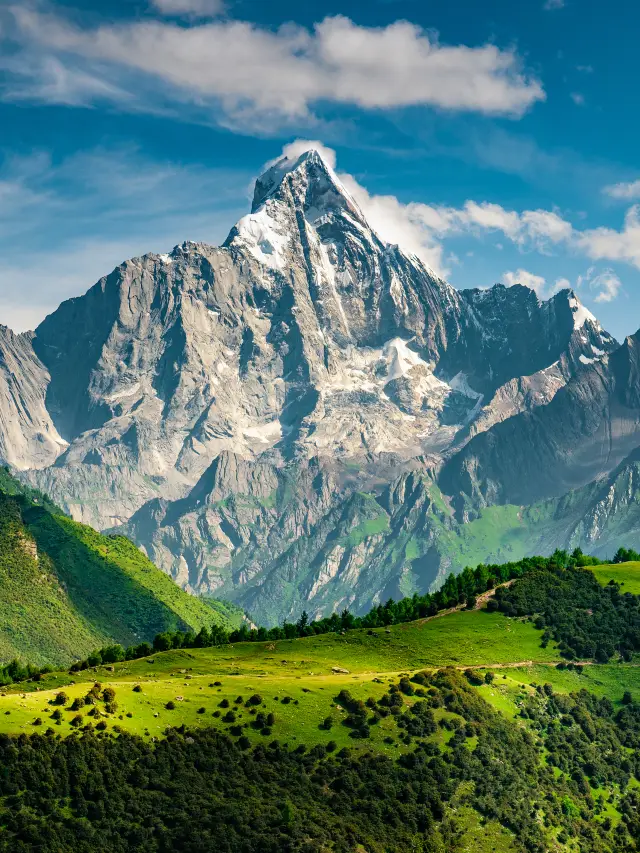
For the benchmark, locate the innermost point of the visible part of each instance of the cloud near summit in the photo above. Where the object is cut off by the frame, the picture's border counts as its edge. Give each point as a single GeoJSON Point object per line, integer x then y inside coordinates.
{"type": "Point", "coordinates": [245, 70]}
{"type": "Point", "coordinates": [421, 229]}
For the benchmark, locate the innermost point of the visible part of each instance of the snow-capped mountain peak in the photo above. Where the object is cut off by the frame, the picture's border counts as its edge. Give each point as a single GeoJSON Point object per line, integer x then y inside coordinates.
{"type": "Point", "coordinates": [310, 180]}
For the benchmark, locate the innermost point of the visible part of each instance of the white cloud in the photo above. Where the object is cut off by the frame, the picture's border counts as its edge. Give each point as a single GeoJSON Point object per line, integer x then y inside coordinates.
{"type": "Point", "coordinates": [528, 279]}
{"type": "Point", "coordinates": [420, 228]}
{"type": "Point", "coordinates": [626, 191]}
{"type": "Point", "coordinates": [606, 282]}
{"type": "Point", "coordinates": [609, 244]}
{"type": "Point", "coordinates": [537, 283]}
{"type": "Point", "coordinates": [608, 285]}
{"type": "Point", "coordinates": [299, 146]}
{"type": "Point", "coordinates": [246, 71]}
{"type": "Point", "coordinates": [191, 8]}
{"type": "Point", "coordinates": [554, 4]}
{"type": "Point", "coordinates": [577, 98]}
{"type": "Point", "coordinates": [530, 229]}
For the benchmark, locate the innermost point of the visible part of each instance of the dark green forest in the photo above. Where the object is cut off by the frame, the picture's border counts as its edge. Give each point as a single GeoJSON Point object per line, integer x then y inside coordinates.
{"type": "Point", "coordinates": [201, 791]}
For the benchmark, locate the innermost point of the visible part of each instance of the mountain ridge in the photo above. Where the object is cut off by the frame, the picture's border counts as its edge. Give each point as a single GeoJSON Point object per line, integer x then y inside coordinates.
{"type": "Point", "coordinates": [220, 403]}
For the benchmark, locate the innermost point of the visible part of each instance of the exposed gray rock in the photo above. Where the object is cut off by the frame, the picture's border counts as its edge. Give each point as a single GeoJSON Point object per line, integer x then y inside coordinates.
{"type": "Point", "coordinates": [585, 431]}
{"type": "Point", "coordinates": [267, 418]}
{"type": "Point", "coordinates": [28, 438]}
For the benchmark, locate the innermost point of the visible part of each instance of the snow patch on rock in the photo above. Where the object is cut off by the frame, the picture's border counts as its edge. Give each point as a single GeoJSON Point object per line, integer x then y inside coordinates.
{"type": "Point", "coordinates": [581, 314]}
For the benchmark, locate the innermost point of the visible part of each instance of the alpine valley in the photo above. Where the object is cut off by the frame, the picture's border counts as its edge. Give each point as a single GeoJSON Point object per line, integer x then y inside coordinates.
{"type": "Point", "coordinates": [308, 418]}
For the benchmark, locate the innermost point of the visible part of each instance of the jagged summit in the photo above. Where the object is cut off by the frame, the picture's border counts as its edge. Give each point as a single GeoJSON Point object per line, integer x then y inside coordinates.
{"type": "Point", "coordinates": [310, 177]}
{"type": "Point", "coordinates": [304, 198]}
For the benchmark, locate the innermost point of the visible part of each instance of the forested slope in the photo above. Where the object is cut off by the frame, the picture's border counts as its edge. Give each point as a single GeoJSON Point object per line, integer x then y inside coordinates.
{"type": "Point", "coordinates": [66, 589]}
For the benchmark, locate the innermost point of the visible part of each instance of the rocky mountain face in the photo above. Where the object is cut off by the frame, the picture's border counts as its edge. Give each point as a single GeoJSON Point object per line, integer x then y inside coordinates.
{"type": "Point", "coordinates": [589, 427]}
{"type": "Point", "coordinates": [300, 415]}
{"type": "Point", "coordinates": [28, 437]}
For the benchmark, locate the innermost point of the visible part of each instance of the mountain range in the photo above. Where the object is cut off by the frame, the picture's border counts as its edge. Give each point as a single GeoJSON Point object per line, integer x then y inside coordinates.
{"type": "Point", "coordinates": [308, 417]}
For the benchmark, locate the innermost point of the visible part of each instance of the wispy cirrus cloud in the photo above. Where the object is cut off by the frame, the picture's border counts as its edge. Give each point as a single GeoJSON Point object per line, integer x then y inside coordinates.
{"type": "Point", "coordinates": [246, 72]}
{"type": "Point", "coordinates": [83, 216]}
{"type": "Point", "coordinates": [606, 283]}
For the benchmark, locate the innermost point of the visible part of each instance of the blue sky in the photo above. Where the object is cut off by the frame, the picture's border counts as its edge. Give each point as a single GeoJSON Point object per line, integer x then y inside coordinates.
{"type": "Point", "coordinates": [498, 140]}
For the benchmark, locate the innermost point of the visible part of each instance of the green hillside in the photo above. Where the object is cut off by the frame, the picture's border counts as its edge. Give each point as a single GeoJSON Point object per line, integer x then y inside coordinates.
{"type": "Point", "coordinates": [66, 589]}
{"type": "Point", "coordinates": [508, 721]}
{"type": "Point", "coordinates": [626, 574]}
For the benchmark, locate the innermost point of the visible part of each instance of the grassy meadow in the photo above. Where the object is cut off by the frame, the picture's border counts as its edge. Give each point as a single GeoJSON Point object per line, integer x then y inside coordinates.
{"type": "Point", "coordinates": [626, 574]}
{"type": "Point", "coordinates": [294, 678]}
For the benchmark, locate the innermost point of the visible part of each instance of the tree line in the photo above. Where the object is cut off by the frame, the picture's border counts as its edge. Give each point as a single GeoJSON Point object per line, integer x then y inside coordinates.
{"type": "Point", "coordinates": [457, 590]}
{"type": "Point", "coordinates": [461, 589]}
{"type": "Point", "coordinates": [585, 619]}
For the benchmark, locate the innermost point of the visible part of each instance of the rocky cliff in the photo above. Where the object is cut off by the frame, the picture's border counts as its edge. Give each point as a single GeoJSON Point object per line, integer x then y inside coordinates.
{"type": "Point", "coordinates": [247, 411]}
